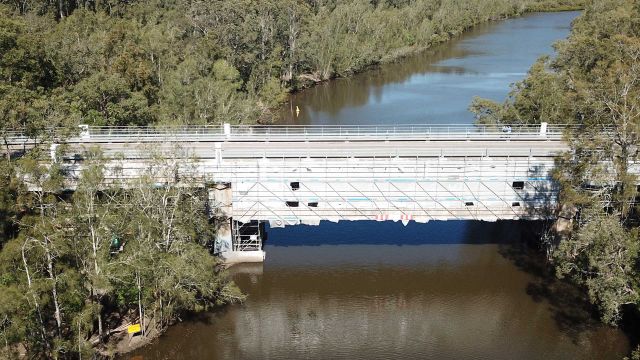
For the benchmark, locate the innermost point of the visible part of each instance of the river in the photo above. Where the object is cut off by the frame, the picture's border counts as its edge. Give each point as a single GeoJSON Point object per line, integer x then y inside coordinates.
{"type": "Point", "coordinates": [438, 85]}
{"type": "Point", "coordinates": [370, 290]}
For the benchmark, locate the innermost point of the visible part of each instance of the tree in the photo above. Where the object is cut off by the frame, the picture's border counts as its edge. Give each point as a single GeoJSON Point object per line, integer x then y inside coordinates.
{"type": "Point", "coordinates": [541, 97]}
{"type": "Point", "coordinates": [603, 255]}
{"type": "Point", "coordinates": [10, 210]}
{"type": "Point", "coordinates": [106, 99]}
{"type": "Point", "coordinates": [23, 61]}
{"type": "Point", "coordinates": [165, 267]}
{"type": "Point", "coordinates": [195, 95]}
{"type": "Point", "coordinates": [594, 84]}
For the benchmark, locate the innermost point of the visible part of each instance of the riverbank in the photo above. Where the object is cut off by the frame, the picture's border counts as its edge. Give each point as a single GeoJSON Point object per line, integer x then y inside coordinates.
{"type": "Point", "coordinates": [120, 343]}
{"type": "Point", "coordinates": [380, 290]}
{"type": "Point", "coordinates": [307, 80]}
{"type": "Point", "coordinates": [123, 343]}
{"type": "Point", "coordinates": [484, 60]}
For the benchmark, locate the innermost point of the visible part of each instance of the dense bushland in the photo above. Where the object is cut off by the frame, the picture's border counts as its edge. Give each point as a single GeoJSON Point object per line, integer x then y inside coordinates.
{"type": "Point", "coordinates": [106, 255]}
{"type": "Point", "coordinates": [201, 62]}
{"type": "Point", "coordinates": [593, 83]}
{"type": "Point", "coordinates": [74, 266]}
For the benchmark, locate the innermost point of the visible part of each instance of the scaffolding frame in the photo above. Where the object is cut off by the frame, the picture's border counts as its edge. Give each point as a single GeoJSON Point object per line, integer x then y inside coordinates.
{"type": "Point", "coordinates": [247, 236]}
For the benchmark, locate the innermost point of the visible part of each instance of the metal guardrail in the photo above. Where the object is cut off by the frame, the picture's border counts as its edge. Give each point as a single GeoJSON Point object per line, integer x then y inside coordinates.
{"type": "Point", "coordinates": [227, 132]}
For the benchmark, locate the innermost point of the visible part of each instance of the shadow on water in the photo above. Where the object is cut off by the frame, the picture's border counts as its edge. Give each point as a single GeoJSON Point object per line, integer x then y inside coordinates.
{"type": "Point", "coordinates": [395, 233]}
{"type": "Point", "coordinates": [567, 302]}
{"type": "Point", "coordinates": [517, 241]}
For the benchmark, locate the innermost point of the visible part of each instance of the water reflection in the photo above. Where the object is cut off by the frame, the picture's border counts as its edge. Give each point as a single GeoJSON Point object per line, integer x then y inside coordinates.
{"type": "Point", "coordinates": [437, 85]}
{"type": "Point", "coordinates": [362, 89]}
{"type": "Point", "coordinates": [366, 290]}
{"type": "Point", "coordinates": [445, 290]}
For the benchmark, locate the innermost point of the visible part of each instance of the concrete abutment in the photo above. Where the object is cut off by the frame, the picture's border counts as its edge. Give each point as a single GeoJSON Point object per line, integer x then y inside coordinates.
{"type": "Point", "coordinates": [235, 242]}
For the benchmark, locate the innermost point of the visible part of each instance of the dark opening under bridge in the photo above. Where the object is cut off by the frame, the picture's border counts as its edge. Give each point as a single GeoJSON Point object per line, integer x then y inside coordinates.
{"type": "Point", "coordinates": [288, 175]}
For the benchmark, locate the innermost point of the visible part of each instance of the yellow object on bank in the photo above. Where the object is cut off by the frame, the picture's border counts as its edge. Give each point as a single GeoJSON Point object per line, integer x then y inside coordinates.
{"type": "Point", "coordinates": [133, 329]}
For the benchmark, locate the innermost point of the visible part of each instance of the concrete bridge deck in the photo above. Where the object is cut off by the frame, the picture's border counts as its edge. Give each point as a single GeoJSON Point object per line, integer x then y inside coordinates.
{"type": "Point", "coordinates": [292, 175]}
{"type": "Point", "coordinates": [340, 149]}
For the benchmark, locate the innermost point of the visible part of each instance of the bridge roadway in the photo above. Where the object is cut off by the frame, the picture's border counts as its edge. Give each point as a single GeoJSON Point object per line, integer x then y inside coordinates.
{"type": "Point", "coordinates": [294, 175]}
{"type": "Point", "coordinates": [337, 149]}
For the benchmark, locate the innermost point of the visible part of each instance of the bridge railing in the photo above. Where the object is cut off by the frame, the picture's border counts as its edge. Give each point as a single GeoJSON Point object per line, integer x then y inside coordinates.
{"type": "Point", "coordinates": [312, 132]}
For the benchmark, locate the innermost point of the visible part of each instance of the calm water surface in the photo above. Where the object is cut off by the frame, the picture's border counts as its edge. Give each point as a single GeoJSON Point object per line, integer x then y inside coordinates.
{"type": "Point", "coordinates": [442, 290]}
{"type": "Point", "coordinates": [368, 290]}
{"type": "Point", "coordinates": [437, 86]}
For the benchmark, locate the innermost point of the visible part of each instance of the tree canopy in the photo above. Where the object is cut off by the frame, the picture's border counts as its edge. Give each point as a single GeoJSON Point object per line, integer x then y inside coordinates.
{"type": "Point", "coordinates": [593, 85]}
{"type": "Point", "coordinates": [76, 266]}
{"type": "Point", "coordinates": [203, 62]}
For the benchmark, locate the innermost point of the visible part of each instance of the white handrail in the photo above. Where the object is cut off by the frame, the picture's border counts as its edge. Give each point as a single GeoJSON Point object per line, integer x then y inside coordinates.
{"type": "Point", "coordinates": [228, 132]}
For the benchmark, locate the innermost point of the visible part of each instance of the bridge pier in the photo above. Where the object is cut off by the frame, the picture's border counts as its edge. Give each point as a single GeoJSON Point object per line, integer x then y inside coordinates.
{"type": "Point", "coordinates": [235, 242]}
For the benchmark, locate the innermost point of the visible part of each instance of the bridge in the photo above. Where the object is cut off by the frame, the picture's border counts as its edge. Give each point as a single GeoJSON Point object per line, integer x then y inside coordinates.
{"type": "Point", "coordinates": [288, 175]}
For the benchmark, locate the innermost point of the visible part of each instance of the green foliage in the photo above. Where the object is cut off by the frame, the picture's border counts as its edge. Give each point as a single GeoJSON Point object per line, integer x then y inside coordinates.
{"type": "Point", "coordinates": [558, 5]}
{"type": "Point", "coordinates": [196, 95]}
{"type": "Point", "coordinates": [488, 112]}
{"type": "Point", "coordinates": [62, 281]}
{"type": "Point", "coordinates": [203, 62]}
{"type": "Point", "coordinates": [104, 99]}
{"type": "Point", "coordinates": [594, 84]}
{"type": "Point", "coordinates": [635, 354]}
{"type": "Point", "coordinates": [540, 97]}
{"type": "Point", "coordinates": [10, 188]}
{"type": "Point", "coordinates": [603, 255]}
{"type": "Point", "coordinates": [23, 60]}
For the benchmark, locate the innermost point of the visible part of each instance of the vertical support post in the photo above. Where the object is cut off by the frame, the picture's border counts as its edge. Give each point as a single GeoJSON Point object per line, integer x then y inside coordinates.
{"type": "Point", "coordinates": [220, 205]}
{"type": "Point", "coordinates": [543, 128]}
{"type": "Point", "coordinates": [84, 132]}
{"type": "Point", "coordinates": [246, 242]}
{"type": "Point", "coordinates": [218, 151]}
{"type": "Point", "coordinates": [52, 152]}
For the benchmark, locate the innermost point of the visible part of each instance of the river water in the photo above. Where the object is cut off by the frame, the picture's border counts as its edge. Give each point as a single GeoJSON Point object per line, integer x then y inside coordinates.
{"type": "Point", "coordinates": [438, 85]}
{"type": "Point", "coordinates": [443, 290]}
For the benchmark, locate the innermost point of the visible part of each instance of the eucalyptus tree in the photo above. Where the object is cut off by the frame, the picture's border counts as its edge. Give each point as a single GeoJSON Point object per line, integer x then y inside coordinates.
{"type": "Point", "coordinates": [593, 84]}
{"type": "Point", "coordinates": [165, 266]}
{"type": "Point", "coordinates": [39, 253]}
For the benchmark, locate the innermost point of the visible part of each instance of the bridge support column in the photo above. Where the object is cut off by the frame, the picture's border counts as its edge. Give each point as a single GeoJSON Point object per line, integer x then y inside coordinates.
{"type": "Point", "coordinates": [220, 211]}
{"type": "Point", "coordinates": [235, 242]}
